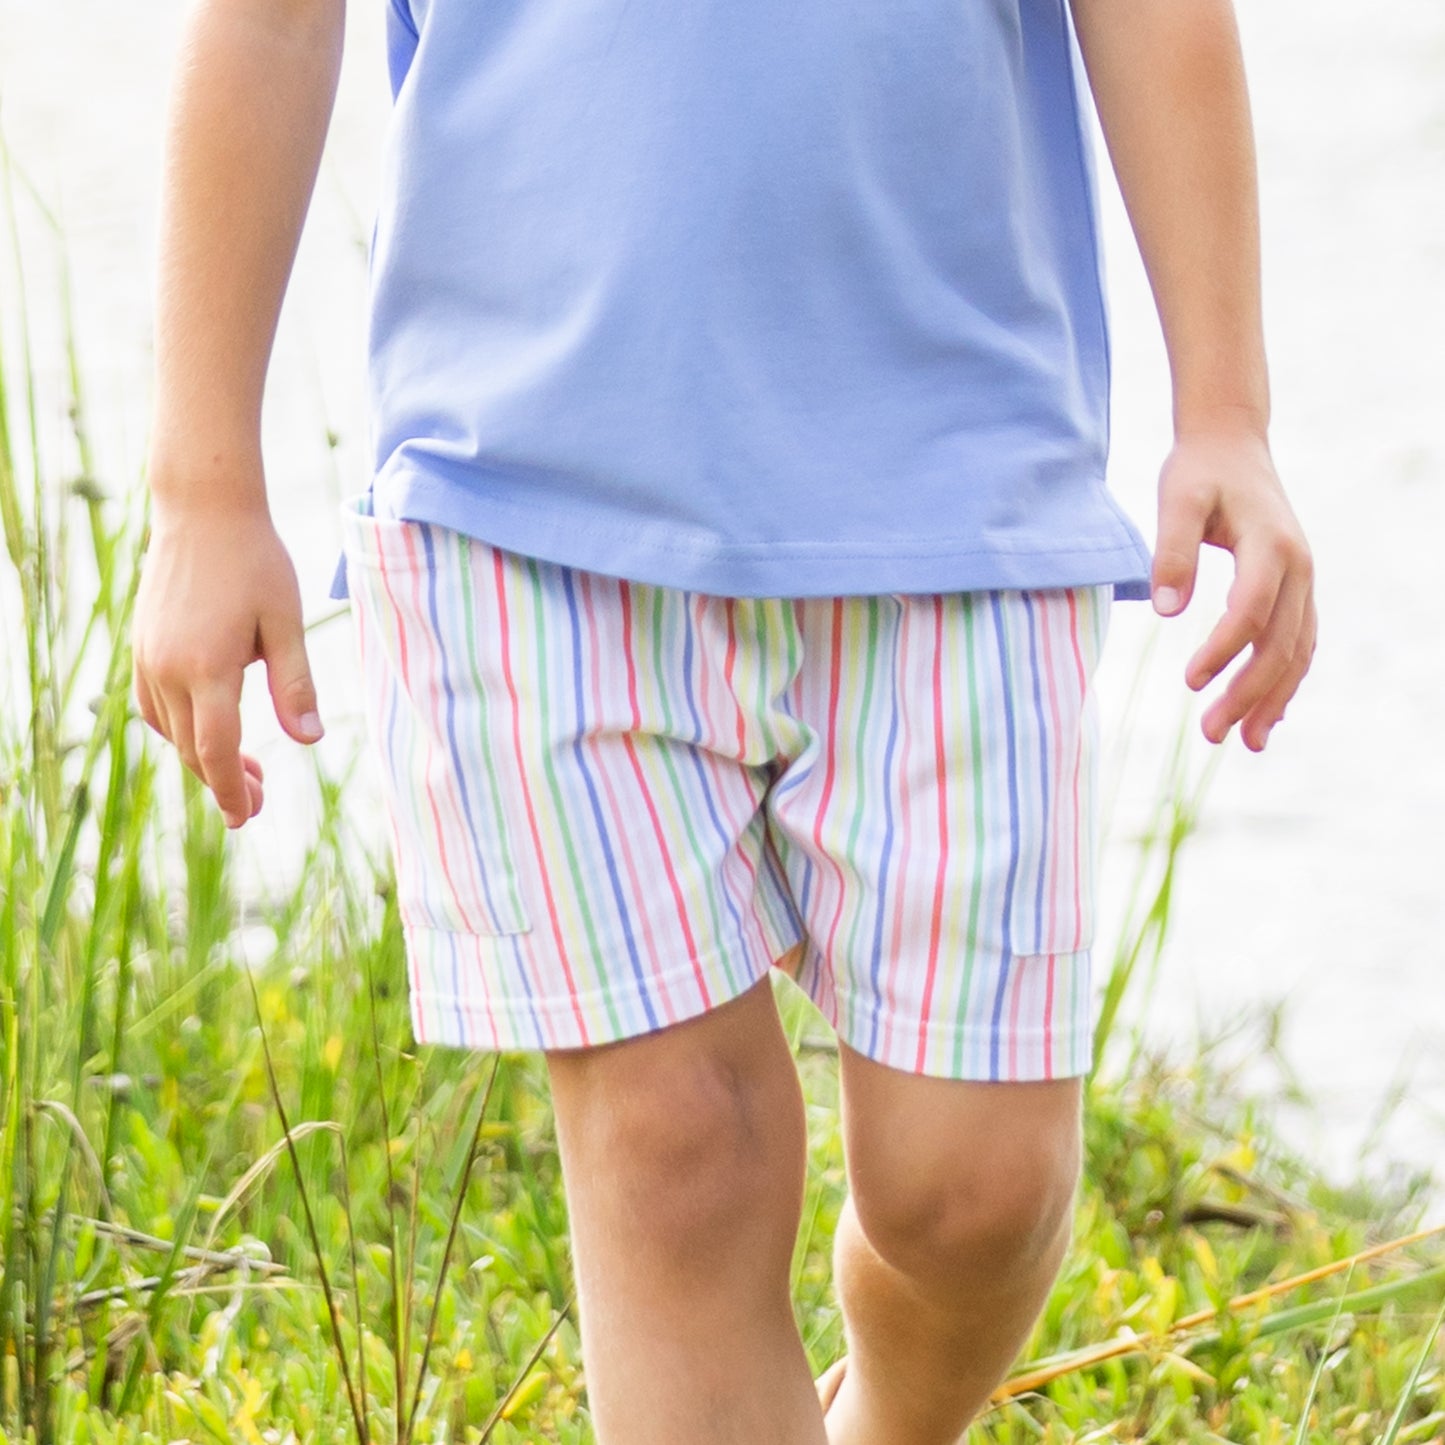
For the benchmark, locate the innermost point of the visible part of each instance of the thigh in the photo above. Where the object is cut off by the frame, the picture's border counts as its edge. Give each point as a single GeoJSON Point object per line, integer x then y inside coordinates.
{"type": "Point", "coordinates": [941, 837]}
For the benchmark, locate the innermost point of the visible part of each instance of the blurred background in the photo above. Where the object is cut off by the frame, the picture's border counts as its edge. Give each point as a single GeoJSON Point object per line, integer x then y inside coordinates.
{"type": "Point", "coordinates": [1306, 942]}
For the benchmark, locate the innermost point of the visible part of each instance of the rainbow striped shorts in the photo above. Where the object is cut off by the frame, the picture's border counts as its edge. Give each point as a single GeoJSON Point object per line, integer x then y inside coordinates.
{"type": "Point", "coordinates": [614, 805]}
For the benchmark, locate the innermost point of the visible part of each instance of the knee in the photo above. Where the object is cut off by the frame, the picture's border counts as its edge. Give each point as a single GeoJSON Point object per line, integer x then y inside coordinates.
{"type": "Point", "coordinates": [691, 1157]}
{"type": "Point", "coordinates": [974, 1222]}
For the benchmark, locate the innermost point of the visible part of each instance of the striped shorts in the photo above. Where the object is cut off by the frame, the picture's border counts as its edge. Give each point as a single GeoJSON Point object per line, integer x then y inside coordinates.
{"type": "Point", "coordinates": [614, 805]}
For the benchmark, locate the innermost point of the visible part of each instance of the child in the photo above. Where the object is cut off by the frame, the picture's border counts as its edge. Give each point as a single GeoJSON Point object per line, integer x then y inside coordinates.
{"type": "Point", "coordinates": [735, 567]}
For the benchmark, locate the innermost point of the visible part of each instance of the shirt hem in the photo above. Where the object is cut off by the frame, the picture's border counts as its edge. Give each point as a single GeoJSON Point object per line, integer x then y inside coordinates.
{"type": "Point", "coordinates": [751, 569]}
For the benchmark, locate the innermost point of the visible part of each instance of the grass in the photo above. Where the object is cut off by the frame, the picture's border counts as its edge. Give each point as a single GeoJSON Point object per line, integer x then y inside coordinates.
{"type": "Point", "coordinates": [240, 1205]}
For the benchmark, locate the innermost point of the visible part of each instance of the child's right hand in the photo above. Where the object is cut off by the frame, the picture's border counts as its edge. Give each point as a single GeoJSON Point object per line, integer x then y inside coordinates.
{"type": "Point", "coordinates": [218, 592]}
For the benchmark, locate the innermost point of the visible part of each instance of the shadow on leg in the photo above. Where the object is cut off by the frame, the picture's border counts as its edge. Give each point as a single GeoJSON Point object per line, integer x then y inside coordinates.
{"type": "Point", "coordinates": [683, 1154]}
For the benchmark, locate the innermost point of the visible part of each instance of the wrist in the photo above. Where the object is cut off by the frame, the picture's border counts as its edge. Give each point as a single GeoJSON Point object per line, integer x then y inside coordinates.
{"type": "Point", "coordinates": [1223, 392]}
{"type": "Point", "coordinates": [1240, 419]}
{"type": "Point", "coordinates": [210, 475]}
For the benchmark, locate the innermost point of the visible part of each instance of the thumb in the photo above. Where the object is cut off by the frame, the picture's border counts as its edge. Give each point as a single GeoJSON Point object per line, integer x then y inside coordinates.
{"type": "Point", "coordinates": [288, 675]}
{"type": "Point", "coordinates": [1176, 552]}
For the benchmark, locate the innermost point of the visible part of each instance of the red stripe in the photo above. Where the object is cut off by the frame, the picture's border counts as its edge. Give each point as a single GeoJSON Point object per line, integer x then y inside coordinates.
{"type": "Point", "coordinates": [900, 872]}
{"type": "Point", "coordinates": [835, 677]}
{"type": "Point", "coordinates": [620, 836]}
{"type": "Point", "coordinates": [672, 882]}
{"type": "Point", "coordinates": [708, 748]}
{"type": "Point", "coordinates": [728, 662]}
{"type": "Point", "coordinates": [737, 825]}
{"type": "Point", "coordinates": [435, 697]}
{"type": "Point", "coordinates": [1049, 1021]}
{"type": "Point", "coordinates": [662, 847]}
{"type": "Point", "coordinates": [1052, 859]}
{"type": "Point", "coordinates": [416, 572]}
{"type": "Point", "coordinates": [505, 636]}
{"type": "Point", "coordinates": [709, 740]}
{"type": "Point", "coordinates": [381, 702]}
{"type": "Point", "coordinates": [940, 782]}
{"type": "Point", "coordinates": [1078, 762]}
{"type": "Point", "coordinates": [624, 593]}
{"type": "Point", "coordinates": [1013, 1013]}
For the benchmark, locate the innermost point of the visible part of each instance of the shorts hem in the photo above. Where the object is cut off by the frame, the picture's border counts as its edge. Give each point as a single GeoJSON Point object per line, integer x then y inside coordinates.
{"type": "Point", "coordinates": [976, 1051]}
{"type": "Point", "coordinates": [589, 1018]}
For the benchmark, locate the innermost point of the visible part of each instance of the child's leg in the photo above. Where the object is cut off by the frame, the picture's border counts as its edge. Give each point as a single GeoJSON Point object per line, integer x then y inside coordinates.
{"type": "Point", "coordinates": [959, 1216]}
{"type": "Point", "coordinates": [941, 846]}
{"type": "Point", "coordinates": [683, 1154]}
{"type": "Point", "coordinates": [573, 767]}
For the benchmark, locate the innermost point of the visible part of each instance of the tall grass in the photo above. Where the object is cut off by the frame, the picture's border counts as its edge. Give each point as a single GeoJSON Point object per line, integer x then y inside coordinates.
{"type": "Point", "coordinates": [240, 1205]}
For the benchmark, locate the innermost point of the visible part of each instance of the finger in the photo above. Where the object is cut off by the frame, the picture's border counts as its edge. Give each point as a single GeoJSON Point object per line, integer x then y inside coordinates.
{"type": "Point", "coordinates": [151, 698]}
{"type": "Point", "coordinates": [1182, 519]}
{"type": "Point", "coordinates": [177, 713]}
{"type": "Point", "coordinates": [1270, 710]}
{"type": "Point", "coordinates": [288, 674]}
{"type": "Point", "coordinates": [164, 725]}
{"type": "Point", "coordinates": [255, 792]}
{"type": "Point", "coordinates": [216, 717]}
{"type": "Point", "coordinates": [145, 701]}
{"type": "Point", "coordinates": [1271, 659]}
{"type": "Point", "coordinates": [1249, 606]}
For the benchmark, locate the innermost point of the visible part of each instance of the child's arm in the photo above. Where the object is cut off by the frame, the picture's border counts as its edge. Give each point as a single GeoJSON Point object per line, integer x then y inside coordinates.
{"type": "Point", "coordinates": [1168, 81]}
{"type": "Point", "coordinates": [251, 101]}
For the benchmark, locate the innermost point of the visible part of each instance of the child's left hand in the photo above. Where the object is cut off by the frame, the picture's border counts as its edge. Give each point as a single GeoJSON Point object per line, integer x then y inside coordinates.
{"type": "Point", "coordinates": [1221, 487]}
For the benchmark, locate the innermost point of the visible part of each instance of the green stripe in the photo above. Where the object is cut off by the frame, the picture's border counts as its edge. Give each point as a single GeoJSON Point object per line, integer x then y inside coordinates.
{"type": "Point", "coordinates": [686, 814]}
{"type": "Point", "coordinates": [975, 893]}
{"type": "Point", "coordinates": [790, 628]}
{"type": "Point", "coordinates": [772, 617]}
{"type": "Point", "coordinates": [386, 605]}
{"type": "Point", "coordinates": [678, 792]}
{"type": "Point", "coordinates": [658, 671]}
{"type": "Point", "coordinates": [1080, 1035]}
{"type": "Point", "coordinates": [761, 705]}
{"type": "Point", "coordinates": [870, 654]}
{"type": "Point", "coordinates": [498, 816]}
{"type": "Point", "coordinates": [558, 802]}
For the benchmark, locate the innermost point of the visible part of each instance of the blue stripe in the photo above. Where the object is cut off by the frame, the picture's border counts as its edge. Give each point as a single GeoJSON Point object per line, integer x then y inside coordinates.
{"type": "Point", "coordinates": [687, 669]}
{"type": "Point", "coordinates": [877, 961]}
{"type": "Point", "coordinates": [463, 1031]}
{"type": "Point", "coordinates": [667, 606]}
{"type": "Point", "coordinates": [809, 870]}
{"type": "Point", "coordinates": [461, 558]}
{"type": "Point", "coordinates": [1043, 774]}
{"type": "Point", "coordinates": [516, 942]}
{"type": "Point", "coordinates": [644, 991]}
{"type": "Point", "coordinates": [694, 751]}
{"type": "Point", "coordinates": [426, 537]}
{"type": "Point", "coordinates": [458, 768]}
{"type": "Point", "coordinates": [392, 688]}
{"type": "Point", "coordinates": [1013, 854]}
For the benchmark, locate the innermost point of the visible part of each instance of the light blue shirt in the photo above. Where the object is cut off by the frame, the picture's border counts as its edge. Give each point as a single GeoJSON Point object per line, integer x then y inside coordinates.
{"type": "Point", "coordinates": [747, 297]}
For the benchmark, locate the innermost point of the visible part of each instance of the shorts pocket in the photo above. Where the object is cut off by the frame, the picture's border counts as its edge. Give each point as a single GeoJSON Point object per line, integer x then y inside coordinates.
{"type": "Point", "coordinates": [433, 723]}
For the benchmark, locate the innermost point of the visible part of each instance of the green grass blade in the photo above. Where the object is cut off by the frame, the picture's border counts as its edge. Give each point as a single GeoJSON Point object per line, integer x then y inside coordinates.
{"type": "Point", "coordinates": [1304, 1418]}
{"type": "Point", "coordinates": [1408, 1393]}
{"type": "Point", "coordinates": [333, 1313]}
{"type": "Point", "coordinates": [454, 1227]}
{"type": "Point", "coordinates": [64, 873]}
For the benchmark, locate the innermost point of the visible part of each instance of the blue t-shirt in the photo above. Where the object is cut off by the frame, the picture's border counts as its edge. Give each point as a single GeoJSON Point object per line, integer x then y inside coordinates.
{"type": "Point", "coordinates": [748, 298]}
